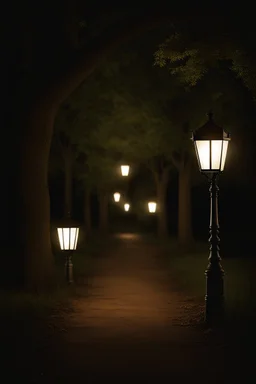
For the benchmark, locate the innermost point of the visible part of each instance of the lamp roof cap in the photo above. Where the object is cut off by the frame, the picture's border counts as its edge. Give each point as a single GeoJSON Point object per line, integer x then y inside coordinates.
{"type": "Point", "coordinates": [210, 131]}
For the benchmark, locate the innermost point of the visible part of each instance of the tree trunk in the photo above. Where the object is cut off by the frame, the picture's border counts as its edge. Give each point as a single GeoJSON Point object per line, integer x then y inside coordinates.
{"type": "Point", "coordinates": [32, 119]}
{"type": "Point", "coordinates": [185, 236]}
{"type": "Point", "coordinates": [162, 227]}
{"type": "Point", "coordinates": [68, 162]}
{"type": "Point", "coordinates": [87, 210]}
{"type": "Point", "coordinates": [32, 203]}
{"type": "Point", "coordinates": [103, 212]}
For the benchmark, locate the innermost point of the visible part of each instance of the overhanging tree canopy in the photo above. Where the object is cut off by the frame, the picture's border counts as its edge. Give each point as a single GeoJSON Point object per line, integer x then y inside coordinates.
{"type": "Point", "coordinates": [44, 64]}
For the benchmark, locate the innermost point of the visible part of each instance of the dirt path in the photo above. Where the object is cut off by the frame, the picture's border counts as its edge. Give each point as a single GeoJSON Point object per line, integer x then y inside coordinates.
{"type": "Point", "coordinates": [130, 328]}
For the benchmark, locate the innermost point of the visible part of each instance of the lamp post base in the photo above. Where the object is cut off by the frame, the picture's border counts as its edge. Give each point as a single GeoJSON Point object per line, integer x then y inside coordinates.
{"type": "Point", "coordinates": [69, 269]}
{"type": "Point", "coordinates": [214, 298]}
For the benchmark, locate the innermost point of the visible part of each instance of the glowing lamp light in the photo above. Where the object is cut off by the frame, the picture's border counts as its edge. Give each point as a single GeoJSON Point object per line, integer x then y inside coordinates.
{"type": "Point", "coordinates": [68, 237]}
{"type": "Point", "coordinates": [68, 233]}
{"type": "Point", "coordinates": [125, 170]}
{"type": "Point", "coordinates": [211, 145]}
{"type": "Point", "coordinates": [151, 206]}
{"type": "Point", "coordinates": [126, 207]}
{"type": "Point", "coordinates": [117, 197]}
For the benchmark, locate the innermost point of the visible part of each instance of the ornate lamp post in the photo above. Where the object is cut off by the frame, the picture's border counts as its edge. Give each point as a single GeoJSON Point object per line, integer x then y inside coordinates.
{"type": "Point", "coordinates": [117, 196]}
{"type": "Point", "coordinates": [125, 170]}
{"type": "Point", "coordinates": [126, 207]}
{"type": "Point", "coordinates": [68, 237]}
{"type": "Point", "coordinates": [211, 145]}
{"type": "Point", "coordinates": [152, 207]}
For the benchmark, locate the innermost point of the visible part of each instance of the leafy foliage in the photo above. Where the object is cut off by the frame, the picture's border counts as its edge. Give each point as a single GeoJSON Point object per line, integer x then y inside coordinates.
{"type": "Point", "coordinates": [191, 56]}
{"type": "Point", "coordinates": [130, 111]}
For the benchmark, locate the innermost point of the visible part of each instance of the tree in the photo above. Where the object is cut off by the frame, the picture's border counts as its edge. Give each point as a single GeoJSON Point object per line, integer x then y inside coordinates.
{"type": "Point", "coordinates": [153, 126]}
{"type": "Point", "coordinates": [141, 190]}
{"type": "Point", "coordinates": [118, 109]}
{"type": "Point", "coordinates": [159, 137]}
{"type": "Point", "coordinates": [139, 126]}
{"type": "Point", "coordinates": [98, 173]}
{"type": "Point", "coordinates": [47, 57]}
{"type": "Point", "coordinates": [135, 131]}
{"type": "Point", "coordinates": [64, 147]}
{"type": "Point", "coordinates": [78, 117]}
{"type": "Point", "coordinates": [210, 83]}
{"type": "Point", "coordinates": [157, 133]}
{"type": "Point", "coordinates": [190, 54]}
{"type": "Point", "coordinates": [213, 69]}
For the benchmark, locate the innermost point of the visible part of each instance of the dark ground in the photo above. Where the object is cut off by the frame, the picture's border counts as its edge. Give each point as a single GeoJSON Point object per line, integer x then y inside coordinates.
{"type": "Point", "coordinates": [130, 324]}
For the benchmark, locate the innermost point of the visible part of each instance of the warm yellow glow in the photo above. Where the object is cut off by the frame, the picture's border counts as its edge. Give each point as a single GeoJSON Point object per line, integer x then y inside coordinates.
{"type": "Point", "coordinates": [117, 196]}
{"type": "Point", "coordinates": [203, 150]}
{"type": "Point", "coordinates": [151, 206]}
{"type": "Point", "coordinates": [126, 207]}
{"type": "Point", "coordinates": [224, 154]}
{"type": "Point", "coordinates": [212, 154]}
{"type": "Point", "coordinates": [216, 153]}
{"type": "Point", "coordinates": [68, 238]}
{"type": "Point", "coordinates": [125, 170]}
{"type": "Point", "coordinates": [127, 236]}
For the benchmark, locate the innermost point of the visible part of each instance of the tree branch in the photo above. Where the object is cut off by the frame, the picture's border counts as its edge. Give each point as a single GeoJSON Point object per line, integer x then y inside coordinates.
{"type": "Point", "coordinates": [79, 65]}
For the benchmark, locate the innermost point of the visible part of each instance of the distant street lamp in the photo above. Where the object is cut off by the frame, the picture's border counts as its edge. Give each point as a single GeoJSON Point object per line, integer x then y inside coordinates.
{"type": "Point", "coordinates": [117, 197]}
{"type": "Point", "coordinates": [126, 207]}
{"type": "Point", "coordinates": [151, 207]}
{"type": "Point", "coordinates": [211, 145]}
{"type": "Point", "coordinates": [68, 237]}
{"type": "Point", "coordinates": [125, 170]}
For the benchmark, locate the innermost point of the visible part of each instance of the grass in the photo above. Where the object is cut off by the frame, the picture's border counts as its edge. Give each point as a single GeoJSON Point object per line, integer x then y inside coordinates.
{"type": "Point", "coordinates": [30, 321]}
{"type": "Point", "coordinates": [32, 317]}
{"type": "Point", "coordinates": [187, 269]}
{"type": "Point", "coordinates": [40, 305]}
{"type": "Point", "coordinates": [24, 312]}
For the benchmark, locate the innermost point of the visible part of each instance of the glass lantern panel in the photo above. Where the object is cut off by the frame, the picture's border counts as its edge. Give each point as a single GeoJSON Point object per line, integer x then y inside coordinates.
{"type": "Point", "coordinates": [60, 236]}
{"type": "Point", "coordinates": [76, 238]}
{"type": "Point", "coordinates": [224, 154]}
{"type": "Point", "coordinates": [126, 207]}
{"type": "Point", "coordinates": [117, 196]}
{"type": "Point", "coordinates": [125, 170]}
{"type": "Point", "coordinates": [203, 151]}
{"type": "Point", "coordinates": [68, 238]}
{"type": "Point", "coordinates": [152, 207]}
{"type": "Point", "coordinates": [216, 154]}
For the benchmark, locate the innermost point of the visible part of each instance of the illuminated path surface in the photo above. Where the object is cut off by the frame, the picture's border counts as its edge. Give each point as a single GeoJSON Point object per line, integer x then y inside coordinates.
{"type": "Point", "coordinates": [130, 328]}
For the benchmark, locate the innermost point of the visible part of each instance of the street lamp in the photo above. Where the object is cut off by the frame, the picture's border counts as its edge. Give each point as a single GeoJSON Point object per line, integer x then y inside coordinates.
{"type": "Point", "coordinates": [117, 197]}
{"type": "Point", "coordinates": [151, 207]}
{"type": "Point", "coordinates": [126, 207]}
{"type": "Point", "coordinates": [211, 145]}
{"type": "Point", "coordinates": [125, 170]}
{"type": "Point", "coordinates": [68, 236]}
